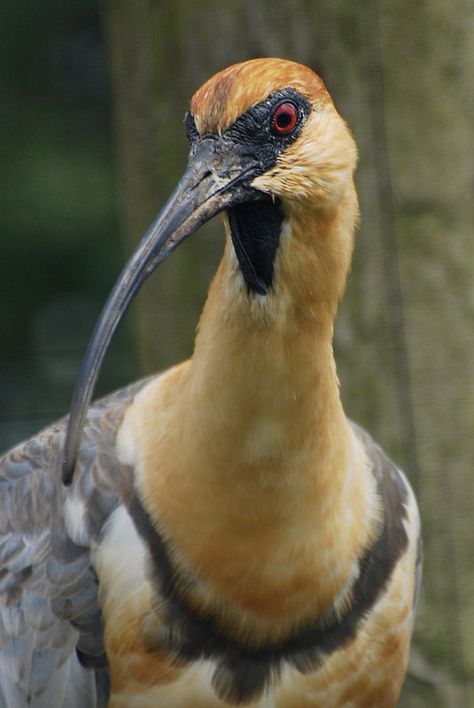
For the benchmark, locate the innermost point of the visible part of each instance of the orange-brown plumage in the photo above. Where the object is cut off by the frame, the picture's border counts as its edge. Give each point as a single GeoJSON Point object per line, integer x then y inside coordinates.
{"type": "Point", "coordinates": [263, 550]}
{"type": "Point", "coordinates": [228, 94]}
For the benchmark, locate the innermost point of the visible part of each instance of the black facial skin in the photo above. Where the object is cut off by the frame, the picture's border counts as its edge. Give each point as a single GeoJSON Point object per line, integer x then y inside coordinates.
{"type": "Point", "coordinates": [255, 228]}
{"type": "Point", "coordinates": [256, 224]}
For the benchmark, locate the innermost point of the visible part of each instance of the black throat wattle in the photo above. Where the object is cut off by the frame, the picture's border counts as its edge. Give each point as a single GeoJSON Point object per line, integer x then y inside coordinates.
{"type": "Point", "coordinates": [255, 227]}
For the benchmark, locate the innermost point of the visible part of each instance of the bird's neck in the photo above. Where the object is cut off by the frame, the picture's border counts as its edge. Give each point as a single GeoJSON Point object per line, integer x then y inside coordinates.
{"type": "Point", "coordinates": [258, 470]}
{"type": "Point", "coordinates": [262, 378]}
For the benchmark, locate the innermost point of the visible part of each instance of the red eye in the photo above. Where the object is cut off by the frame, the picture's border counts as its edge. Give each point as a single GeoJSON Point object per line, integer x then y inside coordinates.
{"type": "Point", "coordinates": [284, 118]}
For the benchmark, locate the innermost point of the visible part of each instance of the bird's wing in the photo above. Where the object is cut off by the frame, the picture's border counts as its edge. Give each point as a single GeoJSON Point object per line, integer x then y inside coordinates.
{"type": "Point", "coordinates": [401, 515]}
{"type": "Point", "coordinates": [50, 623]}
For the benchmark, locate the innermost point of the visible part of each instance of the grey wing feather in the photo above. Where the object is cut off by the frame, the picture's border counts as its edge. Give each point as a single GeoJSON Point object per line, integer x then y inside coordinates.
{"type": "Point", "coordinates": [51, 647]}
{"type": "Point", "coordinates": [392, 478]}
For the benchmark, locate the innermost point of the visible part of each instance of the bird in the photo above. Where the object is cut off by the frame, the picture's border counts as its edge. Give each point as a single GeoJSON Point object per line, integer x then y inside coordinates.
{"type": "Point", "coordinates": [221, 533]}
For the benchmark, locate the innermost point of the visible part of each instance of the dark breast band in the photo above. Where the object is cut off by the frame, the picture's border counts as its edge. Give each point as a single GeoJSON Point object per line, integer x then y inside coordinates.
{"type": "Point", "coordinates": [243, 671]}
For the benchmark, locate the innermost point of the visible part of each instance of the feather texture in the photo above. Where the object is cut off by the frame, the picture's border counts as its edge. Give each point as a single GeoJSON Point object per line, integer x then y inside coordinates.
{"type": "Point", "coordinates": [50, 620]}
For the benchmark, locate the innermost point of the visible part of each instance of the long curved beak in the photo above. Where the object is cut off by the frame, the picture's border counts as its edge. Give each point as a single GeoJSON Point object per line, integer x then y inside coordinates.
{"type": "Point", "coordinates": [217, 177]}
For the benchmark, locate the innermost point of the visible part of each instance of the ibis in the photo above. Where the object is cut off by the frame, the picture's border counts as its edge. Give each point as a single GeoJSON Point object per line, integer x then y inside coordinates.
{"type": "Point", "coordinates": [220, 533]}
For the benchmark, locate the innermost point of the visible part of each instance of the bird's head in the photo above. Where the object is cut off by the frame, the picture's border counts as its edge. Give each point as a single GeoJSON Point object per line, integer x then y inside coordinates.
{"type": "Point", "coordinates": [265, 141]}
{"type": "Point", "coordinates": [278, 116]}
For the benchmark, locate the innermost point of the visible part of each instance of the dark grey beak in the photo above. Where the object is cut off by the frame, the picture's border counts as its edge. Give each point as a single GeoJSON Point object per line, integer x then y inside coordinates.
{"type": "Point", "coordinates": [217, 177]}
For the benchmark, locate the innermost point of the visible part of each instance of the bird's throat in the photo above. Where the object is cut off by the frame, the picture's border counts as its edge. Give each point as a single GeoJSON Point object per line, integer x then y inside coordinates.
{"type": "Point", "coordinates": [255, 229]}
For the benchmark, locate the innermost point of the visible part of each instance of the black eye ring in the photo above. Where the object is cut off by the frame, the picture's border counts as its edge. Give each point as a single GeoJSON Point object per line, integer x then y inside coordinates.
{"type": "Point", "coordinates": [284, 118]}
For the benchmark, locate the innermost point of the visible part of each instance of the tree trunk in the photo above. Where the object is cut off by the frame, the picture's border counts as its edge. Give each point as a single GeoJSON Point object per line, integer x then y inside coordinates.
{"type": "Point", "coordinates": [400, 74]}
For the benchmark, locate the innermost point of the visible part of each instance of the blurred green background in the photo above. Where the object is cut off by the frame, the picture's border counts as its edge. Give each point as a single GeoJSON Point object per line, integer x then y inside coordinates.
{"type": "Point", "coordinates": [59, 222]}
{"type": "Point", "coordinates": [92, 142]}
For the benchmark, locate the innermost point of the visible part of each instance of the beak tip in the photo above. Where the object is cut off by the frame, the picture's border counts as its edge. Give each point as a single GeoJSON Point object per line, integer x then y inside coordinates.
{"type": "Point", "coordinates": [67, 472]}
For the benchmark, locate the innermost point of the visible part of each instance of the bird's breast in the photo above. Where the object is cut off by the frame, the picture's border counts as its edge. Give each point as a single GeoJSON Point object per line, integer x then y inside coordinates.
{"type": "Point", "coordinates": [257, 520]}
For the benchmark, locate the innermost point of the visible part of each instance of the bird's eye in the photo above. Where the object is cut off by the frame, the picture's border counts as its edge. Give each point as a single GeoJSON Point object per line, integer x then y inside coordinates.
{"type": "Point", "coordinates": [284, 118]}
